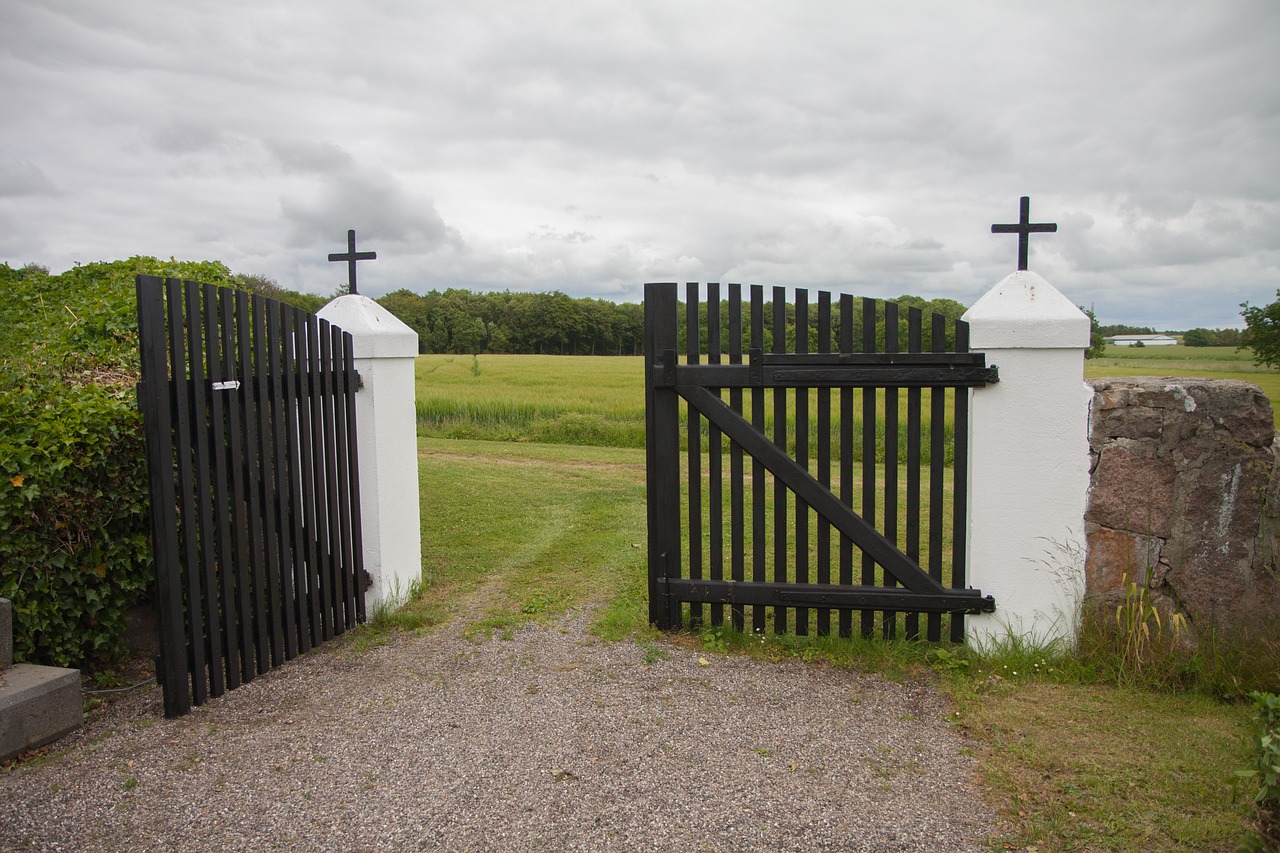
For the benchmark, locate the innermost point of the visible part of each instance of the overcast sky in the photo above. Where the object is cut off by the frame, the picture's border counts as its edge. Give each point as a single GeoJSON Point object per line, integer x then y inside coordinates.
{"type": "Point", "coordinates": [590, 147]}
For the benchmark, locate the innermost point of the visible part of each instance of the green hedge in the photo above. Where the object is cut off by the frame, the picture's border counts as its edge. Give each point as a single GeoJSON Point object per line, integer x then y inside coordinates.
{"type": "Point", "coordinates": [75, 549]}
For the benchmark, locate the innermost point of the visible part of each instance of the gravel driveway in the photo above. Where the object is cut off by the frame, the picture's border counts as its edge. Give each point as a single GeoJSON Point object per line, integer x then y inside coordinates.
{"type": "Point", "coordinates": [550, 740]}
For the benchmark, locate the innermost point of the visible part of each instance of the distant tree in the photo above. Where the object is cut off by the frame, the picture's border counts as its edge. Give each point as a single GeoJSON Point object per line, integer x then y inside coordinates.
{"type": "Point", "coordinates": [1262, 334]}
{"type": "Point", "coordinates": [1097, 341]}
{"type": "Point", "coordinates": [268, 287]}
{"type": "Point", "coordinates": [1120, 329]}
{"type": "Point", "coordinates": [1198, 338]}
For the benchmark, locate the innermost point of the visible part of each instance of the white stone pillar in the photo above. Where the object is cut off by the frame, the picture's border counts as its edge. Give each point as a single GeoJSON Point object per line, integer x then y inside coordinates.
{"type": "Point", "coordinates": [386, 430]}
{"type": "Point", "coordinates": [1029, 462]}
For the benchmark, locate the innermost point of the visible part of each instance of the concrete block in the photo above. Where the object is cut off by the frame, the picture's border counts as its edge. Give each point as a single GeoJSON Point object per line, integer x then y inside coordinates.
{"type": "Point", "coordinates": [38, 704]}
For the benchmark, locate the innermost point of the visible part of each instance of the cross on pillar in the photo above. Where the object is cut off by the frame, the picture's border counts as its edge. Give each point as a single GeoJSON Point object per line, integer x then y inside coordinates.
{"type": "Point", "coordinates": [351, 256]}
{"type": "Point", "coordinates": [1023, 228]}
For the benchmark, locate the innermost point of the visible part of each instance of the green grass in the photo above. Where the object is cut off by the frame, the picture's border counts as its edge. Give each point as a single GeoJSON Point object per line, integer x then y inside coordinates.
{"type": "Point", "coordinates": [599, 401]}
{"type": "Point", "coordinates": [519, 531]}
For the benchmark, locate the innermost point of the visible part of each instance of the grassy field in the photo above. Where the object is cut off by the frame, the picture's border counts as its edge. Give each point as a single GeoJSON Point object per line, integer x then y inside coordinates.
{"type": "Point", "coordinates": [1201, 362]}
{"type": "Point", "coordinates": [528, 528]}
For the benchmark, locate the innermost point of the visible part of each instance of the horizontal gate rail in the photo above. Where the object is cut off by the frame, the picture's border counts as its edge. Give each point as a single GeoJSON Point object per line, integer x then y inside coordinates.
{"type": "Point", "coordinates": [697, 559]}
{"type": "Point", "coordinates": [826, 594]}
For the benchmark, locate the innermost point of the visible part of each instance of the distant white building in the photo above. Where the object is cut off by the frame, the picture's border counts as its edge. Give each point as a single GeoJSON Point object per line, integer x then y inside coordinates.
{"type": "Point", "coordinates": [1145, 340]}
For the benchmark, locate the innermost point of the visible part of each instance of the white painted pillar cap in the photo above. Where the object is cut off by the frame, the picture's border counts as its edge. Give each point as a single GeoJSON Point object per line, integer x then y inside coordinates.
{"type": "Point", "coordinates": [1024, 311]}
{"type": "Point", "coordinates": [376, 332]}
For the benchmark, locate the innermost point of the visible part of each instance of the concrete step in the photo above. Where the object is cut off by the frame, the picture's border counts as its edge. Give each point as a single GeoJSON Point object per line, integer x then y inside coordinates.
{"type": "Point", "coordinates": [38, 704]}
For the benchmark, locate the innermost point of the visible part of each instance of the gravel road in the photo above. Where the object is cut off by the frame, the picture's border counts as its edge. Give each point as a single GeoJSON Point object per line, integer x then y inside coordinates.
{"type": "Point", "coordinates": [550, 739]}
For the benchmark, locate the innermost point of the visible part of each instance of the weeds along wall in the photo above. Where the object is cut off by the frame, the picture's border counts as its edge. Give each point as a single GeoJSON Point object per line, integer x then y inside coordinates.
{"type": "Point", "coordinates": [1185, 500]}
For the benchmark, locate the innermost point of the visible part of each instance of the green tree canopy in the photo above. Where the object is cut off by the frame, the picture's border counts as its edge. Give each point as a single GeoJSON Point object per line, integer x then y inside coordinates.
{"type": "Point", "coordinates": [1262, 334]}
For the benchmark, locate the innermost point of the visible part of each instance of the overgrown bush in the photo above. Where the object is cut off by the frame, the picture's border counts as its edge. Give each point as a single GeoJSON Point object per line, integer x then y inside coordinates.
{"type": "Point", "coordinates": [74, 530]}
{"type": "Point", "coordinates": [1262, 780]}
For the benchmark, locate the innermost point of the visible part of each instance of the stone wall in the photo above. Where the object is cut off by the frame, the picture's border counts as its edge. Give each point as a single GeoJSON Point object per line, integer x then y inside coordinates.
{"type": "Point", "coordinates": [1185, 495]}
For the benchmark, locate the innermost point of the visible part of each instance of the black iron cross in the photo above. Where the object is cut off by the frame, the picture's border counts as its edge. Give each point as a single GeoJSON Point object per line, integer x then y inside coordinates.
{"type": "Point", "coordinates": [351, 256]}
{"type": "Point", "coordinates": [1023, 229]}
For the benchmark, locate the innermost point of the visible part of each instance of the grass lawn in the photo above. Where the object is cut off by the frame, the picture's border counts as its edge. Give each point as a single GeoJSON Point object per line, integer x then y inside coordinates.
{"type": "Point", "coordinates": [525, 530]}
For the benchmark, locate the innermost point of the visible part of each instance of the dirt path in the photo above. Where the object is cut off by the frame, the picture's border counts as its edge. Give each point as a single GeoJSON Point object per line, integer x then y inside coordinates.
{"type": "Point", "coordinates": [549, 740]}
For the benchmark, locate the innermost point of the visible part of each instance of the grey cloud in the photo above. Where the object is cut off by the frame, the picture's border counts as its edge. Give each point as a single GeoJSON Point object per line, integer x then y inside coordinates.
{"type": "Point", "coordinates": [300, 155]}
{"type": "Point", "coordinates": [22, 178]}
{"type": "Point", "coordinates": [370, 200]}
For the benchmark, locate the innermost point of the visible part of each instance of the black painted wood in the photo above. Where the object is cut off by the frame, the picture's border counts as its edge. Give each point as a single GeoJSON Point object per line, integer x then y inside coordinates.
{"type": "Point", "coordinates": [737, 552]}
{"type": "Point", "coordinates": [693, 436]}
{"type": "Point", "coordinates": [243, 506]}
{"type": "Point", "coordinates": [892, 582]}
{"type": "Point", "coordinates": [758, 491]}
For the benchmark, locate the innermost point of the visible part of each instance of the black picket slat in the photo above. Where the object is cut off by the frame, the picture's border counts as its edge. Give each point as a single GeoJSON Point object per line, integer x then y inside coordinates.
{"type": "Point", "coordinates": [889, 618]}
{"type": "Point", "coordinates": [737, 566]}
{"type": "Point", "coordinates": [914, 344]}
{"type": "Point", "coordinates": [779, 439]}
{"type": "Point", "coordinates": [960, 488]}
{"type": "Point", "coordinates": [824, 460]}
{"type": "Point", "coordinates": [715, 461]}
{"type": "Point", "coordinates": [846, 459]}
{"type": "Point", "coordinates": [263, 490]}
{"type": "Point", "coordinates": [758, 491]}
{"type": "Point", "coordinates": [693, 433]}
{"type": "Point", "coordinates": [236, 485]}
{"type": "Point", "coordinates": [937, 454]}
{"type": "Point", "coordinates": [802, 459]}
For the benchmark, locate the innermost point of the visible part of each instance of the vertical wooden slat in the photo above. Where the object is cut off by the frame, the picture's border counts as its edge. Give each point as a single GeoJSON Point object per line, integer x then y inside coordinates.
{"type": "Point", "coordinates": [757, 468]}
{"type": "Point", "coordinates": [351, 454]}
{"type": "Point", "coordinates": [333, 541]}
{"type": "Point", "coordinates": [305, 343]}
{"type": "Point", "coordinates": [779, 439]}
{"type": "Point", "coordinates": [661, 471]}
{"type": "Point", "coordinates": [264, 487]}
{"type": "Point", "coordinates": [846, 458]}
{"type": "Point", "coordinates": [737, 560]}
{"type": "Point", "coordinates": [937, 459]}
{"type": "Point", "coordinates": [693, 346]}
{"type": "Point", "coordinates": [229, 651]}
{"type": "Point", "coordinates": [868, 457]}
{"type": "Point", "coordinates": [154, 400]}
{"type": "Point", "coordinates": [242, 566]}
{"type": "Point", "coordinates": [251, 466]}
{"type": "Point", "coordinates": [960, 489]}
{"type": "Point", "coordinates": [293, 334]}
{"type": "Point", "coordinates": [319, 532]}
{"type": "Point", "coordinates": [824, 459]}
{"type": "Point", "coordinates": [205, 618]}
{"type": "Point", "coordinates": [914, 344]}
{"type": "Point", "coordinates": [276, 385]}
{"type": "Point", "coordinates": [889, 619]}
{"type": "Point", "coordinates": [346, 565]}
{"type": "Point", "coordinates": [715, 457]}
{"type": "Point", "coordinates": [802, 458]}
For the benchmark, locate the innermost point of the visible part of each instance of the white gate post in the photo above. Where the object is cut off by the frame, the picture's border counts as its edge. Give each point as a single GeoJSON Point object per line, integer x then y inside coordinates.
{"type": "Point", "coordinates": [387, 445]}
{"type": "Point", "coordinates": [1029, 462]}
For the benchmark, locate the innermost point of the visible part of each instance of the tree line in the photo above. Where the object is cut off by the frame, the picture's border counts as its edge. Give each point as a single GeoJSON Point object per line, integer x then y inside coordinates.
{"type": "Point", "coordinates": [462, 322]}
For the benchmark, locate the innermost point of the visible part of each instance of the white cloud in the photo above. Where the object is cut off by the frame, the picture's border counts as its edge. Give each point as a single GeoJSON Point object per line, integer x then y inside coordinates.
{"type": "Point", "coordinates": [591, 147]}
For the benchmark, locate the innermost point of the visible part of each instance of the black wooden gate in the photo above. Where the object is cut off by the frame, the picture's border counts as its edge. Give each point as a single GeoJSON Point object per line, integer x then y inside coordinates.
{"type": "Point", "coordinates": [830, 409]}
{"type": "Point", "coordinates": [249, 413]}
